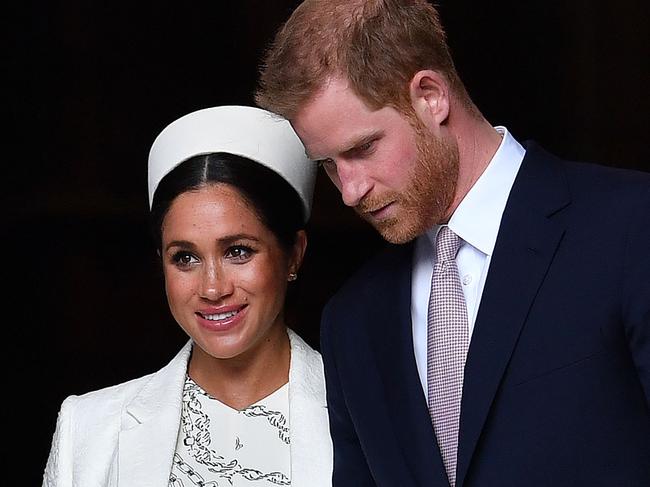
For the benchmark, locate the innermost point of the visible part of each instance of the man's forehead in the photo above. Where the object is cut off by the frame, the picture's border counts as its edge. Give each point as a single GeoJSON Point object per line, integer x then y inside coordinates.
{"type": "Point", "coordinates": [333, 121]}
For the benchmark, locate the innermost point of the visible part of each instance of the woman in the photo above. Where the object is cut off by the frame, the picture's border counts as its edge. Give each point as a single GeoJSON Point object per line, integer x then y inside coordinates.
{"type": "Point", "coordinates": [243, 403]}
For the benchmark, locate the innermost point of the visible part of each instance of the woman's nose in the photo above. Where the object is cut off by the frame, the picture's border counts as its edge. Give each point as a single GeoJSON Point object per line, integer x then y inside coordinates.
{"type": "Point", "coordinates": [215, 283]}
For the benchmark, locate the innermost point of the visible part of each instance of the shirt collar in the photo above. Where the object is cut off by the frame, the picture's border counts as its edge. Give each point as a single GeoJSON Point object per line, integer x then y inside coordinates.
{"type": "Point", "coordinates": [478, 216]}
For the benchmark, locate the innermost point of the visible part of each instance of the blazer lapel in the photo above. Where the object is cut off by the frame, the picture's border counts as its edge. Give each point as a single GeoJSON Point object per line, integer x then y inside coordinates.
{"type": "Point", "coordinates": [311, 445]}
{"type": "Point", "coordinates": [150, 426]}
{"type": "Point", "coordinates": [526, 244]}
{"type": "Point", "coordinates": [405, 401]}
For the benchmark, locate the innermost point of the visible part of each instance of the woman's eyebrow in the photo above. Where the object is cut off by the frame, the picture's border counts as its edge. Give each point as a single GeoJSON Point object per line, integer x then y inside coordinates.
{"type": "Point", "coordinates": [226, 240]}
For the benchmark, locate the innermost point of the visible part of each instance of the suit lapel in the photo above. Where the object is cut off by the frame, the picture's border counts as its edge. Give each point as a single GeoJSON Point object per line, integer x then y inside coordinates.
{"type": "Point", "coordinates": [525, 246]}
{"type": "Point", "coordinates": [150, 426]}
{"type": "Point", "coordinates": [393, 347]}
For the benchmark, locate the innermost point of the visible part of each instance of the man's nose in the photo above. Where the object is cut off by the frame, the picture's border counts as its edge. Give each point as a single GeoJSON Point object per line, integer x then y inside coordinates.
{"type": "Point", "coordinates": [352, 182]}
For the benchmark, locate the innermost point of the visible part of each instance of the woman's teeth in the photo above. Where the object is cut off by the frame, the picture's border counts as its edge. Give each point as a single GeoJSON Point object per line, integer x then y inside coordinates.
{"type": "Point", "coordinates": [220, 316]}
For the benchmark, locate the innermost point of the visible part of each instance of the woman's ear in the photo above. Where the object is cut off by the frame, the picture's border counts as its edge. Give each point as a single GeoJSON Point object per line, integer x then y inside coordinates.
{"type": "Point", "coordinates": [429, 91]}
{"type": "Point", "coordinates": [298, 252]}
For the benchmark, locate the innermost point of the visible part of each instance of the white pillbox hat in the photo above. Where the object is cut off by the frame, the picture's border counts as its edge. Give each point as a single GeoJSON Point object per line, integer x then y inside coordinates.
{"type": "Point", "coordinates": [247, 131]}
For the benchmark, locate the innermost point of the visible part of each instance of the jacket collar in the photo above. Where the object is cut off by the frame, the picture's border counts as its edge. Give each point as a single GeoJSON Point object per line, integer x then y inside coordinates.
{"type": "Point", "coordinates": [150, 425]}
{"type": "Point", "coordinates": [150, 422]}
{"type": "Point", "coordinates": [311, 446]}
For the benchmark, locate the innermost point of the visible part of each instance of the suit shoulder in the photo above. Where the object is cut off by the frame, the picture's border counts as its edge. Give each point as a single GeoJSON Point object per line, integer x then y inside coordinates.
{"type": "Point", "coordinates": [373, 278]}
{"type": "Point", "coordinates": [592, 184]}
{"type": "Point", "coordinates": [608, 177]}
{"type": "Point", "coordinates": [104, 402]}
{"type": "Point", "coordinates": [591, 174]}
{"type": "Point", "coordinates": [87, 421]}
{"type": "Point", "coordinates": [112, 398]}
{"type": "Point", "coordinates": [613, 193]}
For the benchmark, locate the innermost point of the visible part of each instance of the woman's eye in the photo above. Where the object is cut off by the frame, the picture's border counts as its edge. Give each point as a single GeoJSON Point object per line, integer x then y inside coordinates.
{"type": "Point", "coordinates": [183, 259]}
{"type": "Point", "coordinates": [239, 252]}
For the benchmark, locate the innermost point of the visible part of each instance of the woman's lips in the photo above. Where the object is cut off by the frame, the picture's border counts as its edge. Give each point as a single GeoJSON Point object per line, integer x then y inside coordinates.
{"type": "Point", "coordinates": [221, 319]}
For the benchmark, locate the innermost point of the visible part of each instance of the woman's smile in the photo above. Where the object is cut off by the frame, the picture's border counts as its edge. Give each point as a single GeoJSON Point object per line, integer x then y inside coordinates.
{"type": "Point", "coordinates": [222, 319]}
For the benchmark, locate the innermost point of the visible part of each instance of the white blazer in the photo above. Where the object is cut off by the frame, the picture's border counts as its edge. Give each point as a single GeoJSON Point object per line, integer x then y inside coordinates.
{"type": "Point", "coordinates": [125, 435]}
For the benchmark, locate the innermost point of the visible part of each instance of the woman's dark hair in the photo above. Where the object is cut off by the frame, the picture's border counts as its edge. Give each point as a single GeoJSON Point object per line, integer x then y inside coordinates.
{"type": "Point", "coordinates": [276, 203]}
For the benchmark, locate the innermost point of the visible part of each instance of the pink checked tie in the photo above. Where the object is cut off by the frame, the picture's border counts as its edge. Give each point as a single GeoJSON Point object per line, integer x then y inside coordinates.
{"type": "Point", "coordinates": [447, 343]}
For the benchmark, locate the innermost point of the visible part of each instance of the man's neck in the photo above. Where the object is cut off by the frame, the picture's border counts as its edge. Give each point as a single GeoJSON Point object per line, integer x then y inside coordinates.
{"type": "Point", "coordinates": [477, 142]}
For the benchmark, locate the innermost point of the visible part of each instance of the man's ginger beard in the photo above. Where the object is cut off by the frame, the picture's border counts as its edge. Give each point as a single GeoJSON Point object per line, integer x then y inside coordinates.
{"type": "Point", "coordinates": [428, 196]}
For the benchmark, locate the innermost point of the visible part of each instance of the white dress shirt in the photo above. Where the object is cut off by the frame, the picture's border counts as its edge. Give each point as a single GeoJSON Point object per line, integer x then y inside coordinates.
{"type": "Point", "coordinates": [476, 221]}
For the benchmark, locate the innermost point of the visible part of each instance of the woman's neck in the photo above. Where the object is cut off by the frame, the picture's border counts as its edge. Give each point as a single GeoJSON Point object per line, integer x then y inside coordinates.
{"type": "Point", "coordinates": [247, 378]}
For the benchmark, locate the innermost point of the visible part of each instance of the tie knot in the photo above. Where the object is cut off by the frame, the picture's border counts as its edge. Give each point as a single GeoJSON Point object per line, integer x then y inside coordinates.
{"type": "Point", "coordinates": [447, 244]}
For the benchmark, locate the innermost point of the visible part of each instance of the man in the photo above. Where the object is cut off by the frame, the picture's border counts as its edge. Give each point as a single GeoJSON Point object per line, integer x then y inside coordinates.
{"type": "Point", "coordinates": [507, 341]}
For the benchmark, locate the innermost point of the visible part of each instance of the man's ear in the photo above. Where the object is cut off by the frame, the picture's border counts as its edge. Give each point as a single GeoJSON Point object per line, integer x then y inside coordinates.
{"type": "Point", "coordinates": [429, 91]}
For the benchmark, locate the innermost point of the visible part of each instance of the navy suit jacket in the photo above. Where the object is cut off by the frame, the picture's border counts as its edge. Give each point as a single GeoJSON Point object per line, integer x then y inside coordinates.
{"type": "Point", "coordinates": [557, 378]}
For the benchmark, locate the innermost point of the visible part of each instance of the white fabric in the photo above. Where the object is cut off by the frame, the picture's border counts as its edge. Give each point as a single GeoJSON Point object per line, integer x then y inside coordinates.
{"type": "Point", "coordinates": [125, 435]}
{"type": "Point", "coordinates": [245, 131]}
{"type": "Point", "coordinates": [241, 448]}
{"type": "Point", "coordinates": [476, 221]}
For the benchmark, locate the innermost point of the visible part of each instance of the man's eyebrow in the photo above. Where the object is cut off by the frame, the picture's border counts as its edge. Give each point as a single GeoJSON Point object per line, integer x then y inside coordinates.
{"type": "Point", "coordinates": [362, 140]}
{"type": "Point", "coordinates": [352, 144]}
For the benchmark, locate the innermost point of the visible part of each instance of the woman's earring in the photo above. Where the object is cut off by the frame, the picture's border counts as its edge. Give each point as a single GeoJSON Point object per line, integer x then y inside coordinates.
{"type": "Point", "coordinates": [292, 276]}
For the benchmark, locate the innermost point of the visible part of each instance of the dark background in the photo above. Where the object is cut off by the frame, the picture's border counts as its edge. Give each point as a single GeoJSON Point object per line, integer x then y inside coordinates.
{"type": "Point", "coordinates": [90, 85]}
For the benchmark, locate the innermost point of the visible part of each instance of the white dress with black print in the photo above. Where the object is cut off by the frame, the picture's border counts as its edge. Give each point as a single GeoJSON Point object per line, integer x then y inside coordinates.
{"type": "Point", "coordinates": [221, 446]}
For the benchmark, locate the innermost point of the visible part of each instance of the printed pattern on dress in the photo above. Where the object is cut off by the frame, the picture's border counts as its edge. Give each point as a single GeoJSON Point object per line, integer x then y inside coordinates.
{"type": "Point", "coordinates": [196, 435]}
